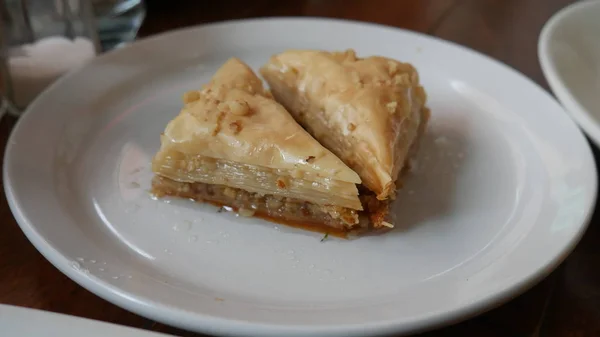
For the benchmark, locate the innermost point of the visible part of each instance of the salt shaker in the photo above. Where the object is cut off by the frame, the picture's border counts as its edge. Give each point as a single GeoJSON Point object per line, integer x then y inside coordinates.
{"type": "Point", "coordinates": [40, 41]}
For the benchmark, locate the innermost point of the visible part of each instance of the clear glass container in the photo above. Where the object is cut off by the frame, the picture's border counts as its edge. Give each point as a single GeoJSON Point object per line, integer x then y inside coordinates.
{"type": "Point", "coordinates": [41, 40]}
{"type": "Point", "coordinates": [118, 21]}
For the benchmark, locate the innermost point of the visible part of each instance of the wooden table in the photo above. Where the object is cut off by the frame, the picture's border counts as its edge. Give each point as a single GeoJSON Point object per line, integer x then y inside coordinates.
{"type": "Point", "coordinates": [567, 303]}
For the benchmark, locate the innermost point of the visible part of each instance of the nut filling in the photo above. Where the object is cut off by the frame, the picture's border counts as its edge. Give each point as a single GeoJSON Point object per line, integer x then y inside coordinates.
{"type": "Point", "coordinates": [289, 210]}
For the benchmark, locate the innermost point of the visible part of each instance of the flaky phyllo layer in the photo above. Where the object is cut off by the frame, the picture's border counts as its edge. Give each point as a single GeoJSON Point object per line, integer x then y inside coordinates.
{"type": "Point", "coordinates": [232, 133]}
{"type": "Point", "coordinates": [369, 111]}
{"type": "Point", "coordinates": [295, 184]}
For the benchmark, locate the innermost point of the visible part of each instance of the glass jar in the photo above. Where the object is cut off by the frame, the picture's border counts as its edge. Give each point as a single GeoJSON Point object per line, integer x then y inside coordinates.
{"type": "Point", "coordinates": [117, 21]}
{"type": "Point", "coordinates": [40, 41]}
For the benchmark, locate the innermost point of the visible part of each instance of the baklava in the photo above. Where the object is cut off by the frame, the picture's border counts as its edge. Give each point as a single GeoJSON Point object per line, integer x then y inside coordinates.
{"type": "Point", "coordinates": [370, 112]}
{"type": "Point", "coordinates": [233, 145]}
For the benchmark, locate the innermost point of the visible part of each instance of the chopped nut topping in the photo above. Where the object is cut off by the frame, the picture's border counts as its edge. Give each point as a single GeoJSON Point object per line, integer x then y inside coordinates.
{"type": "Point", "coordinates": [236, 127]}
{"type": "Point", "coordinates": [237, 107]}
{"type": "Point", "coordinates": [218, 126]}
{"type": "Point", "coordinates": [191, 96]}
{"type": "Point", "coordinates": [391, 106]}
{"type": "Point", "coordinates": [310, 159]}
{"type": "Point", "coordinates": [281, 182]}
{"type": "Point", "coordinates": [351, 127]}
{"type": "Point", "coordinates": [240, 108]}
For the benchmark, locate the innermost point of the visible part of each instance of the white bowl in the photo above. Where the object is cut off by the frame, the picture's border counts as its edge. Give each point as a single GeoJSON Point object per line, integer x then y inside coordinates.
{"type": "Point", "coordinates": [569, 52]}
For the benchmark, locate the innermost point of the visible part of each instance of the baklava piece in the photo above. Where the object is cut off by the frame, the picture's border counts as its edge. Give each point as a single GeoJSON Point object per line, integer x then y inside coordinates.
{"type": "Point", "coordinates": [370, 112]}
{"type": "Point", "coordinates": [233, 145]}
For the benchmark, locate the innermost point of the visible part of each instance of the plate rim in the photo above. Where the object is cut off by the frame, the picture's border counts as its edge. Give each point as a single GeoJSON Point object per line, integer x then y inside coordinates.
{"type": "Point", "coordinates": [206, 323]}
{"type": "Point", "coordinates": [566, 98]}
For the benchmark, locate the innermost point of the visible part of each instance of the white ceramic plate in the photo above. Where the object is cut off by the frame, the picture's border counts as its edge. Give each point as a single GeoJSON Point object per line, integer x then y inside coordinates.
{"type": "Point", "coordinates": [569, 52]}
{"type": "Point", "coordinates": [16, 322]}
{"type": "Point", "coordinates": [503, 191]}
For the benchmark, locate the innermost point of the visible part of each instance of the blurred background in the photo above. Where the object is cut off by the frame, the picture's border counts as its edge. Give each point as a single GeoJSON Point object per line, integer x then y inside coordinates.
{"type": "Point", "coordinates": [44, 29]}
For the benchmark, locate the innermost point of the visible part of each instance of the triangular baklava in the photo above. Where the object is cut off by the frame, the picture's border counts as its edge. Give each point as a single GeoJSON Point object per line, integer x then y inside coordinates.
{"type": "Point", "coordinates": [370, 112]}
{"type": "Point", "coordinates": [233, 145]}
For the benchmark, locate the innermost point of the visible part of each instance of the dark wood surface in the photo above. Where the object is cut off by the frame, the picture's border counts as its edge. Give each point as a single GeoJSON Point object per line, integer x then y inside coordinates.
{"type": "Point", "coordinates": [565, 304]}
